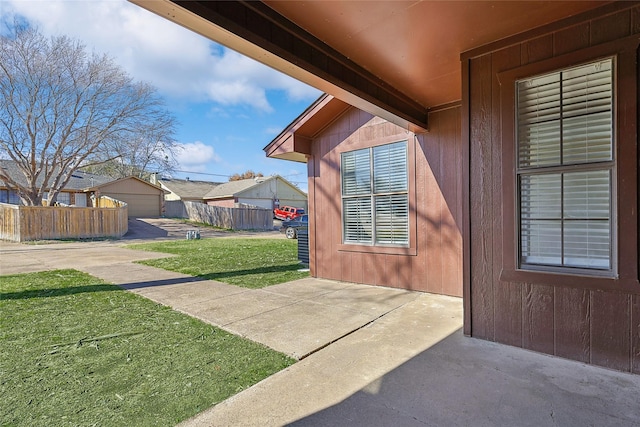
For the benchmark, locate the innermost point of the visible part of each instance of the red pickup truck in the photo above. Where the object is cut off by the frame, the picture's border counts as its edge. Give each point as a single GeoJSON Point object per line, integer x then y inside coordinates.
{"type": "Point", "coordinates": [287, 212]}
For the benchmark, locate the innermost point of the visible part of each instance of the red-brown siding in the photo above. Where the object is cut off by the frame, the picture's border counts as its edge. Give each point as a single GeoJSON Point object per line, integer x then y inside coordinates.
{"type": "Point", "coordinates": [587, 319]}
{"type": "Point", "coordinates": [434, 263]}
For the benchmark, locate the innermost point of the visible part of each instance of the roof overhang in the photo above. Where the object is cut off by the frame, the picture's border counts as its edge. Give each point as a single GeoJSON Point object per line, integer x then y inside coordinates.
{"type": "Point", "coordinates": [126, 178]}
{"type": "Point", "coordinates": [394, 59]}
{"type": "Point", "coordinates": [294, 143]}
{"type": "Point", "coordinates": [257, 31]}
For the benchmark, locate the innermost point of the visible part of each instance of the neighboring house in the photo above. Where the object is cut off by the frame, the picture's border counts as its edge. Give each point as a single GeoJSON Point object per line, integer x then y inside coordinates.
{"type": "Point", "coordinates": [263, 192]}
{"type": "Point", "coordinates": [185, 189]}
{"type": "Point", "coordinates": [382, 208]}
{"type": "Point", "coordinates": [524, 114]}
{"type": "Point", "coordinates": [143, 198]}
{"type": "Point", "coordinates": [74, 193]}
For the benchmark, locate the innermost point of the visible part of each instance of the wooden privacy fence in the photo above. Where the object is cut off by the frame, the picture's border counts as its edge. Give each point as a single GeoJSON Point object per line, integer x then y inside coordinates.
{"type": "Point", "coordinates": [23, 223]}
{"type": "Point", "coordinates": [242, 218]}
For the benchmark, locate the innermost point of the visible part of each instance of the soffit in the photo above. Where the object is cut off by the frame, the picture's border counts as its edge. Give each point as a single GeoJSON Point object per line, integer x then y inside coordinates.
{"type": "Point", "coordinates": [415, 46]}
{"type": "Point", "coordinates": [393, 59]}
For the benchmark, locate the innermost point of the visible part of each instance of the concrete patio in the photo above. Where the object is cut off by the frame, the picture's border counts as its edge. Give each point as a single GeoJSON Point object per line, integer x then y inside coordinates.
{"type": "Point", "coordinates": [369, 356]}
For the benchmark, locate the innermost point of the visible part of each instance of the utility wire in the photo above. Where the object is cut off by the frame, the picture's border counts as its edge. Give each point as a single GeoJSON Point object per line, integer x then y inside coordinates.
{"type": "Point", "coordinates": [229, 176]}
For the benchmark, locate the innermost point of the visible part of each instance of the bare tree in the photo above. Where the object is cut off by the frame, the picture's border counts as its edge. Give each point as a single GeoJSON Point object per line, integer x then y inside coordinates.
{"type": "Point", "coordinates": [62, 109]}
{"type": "Point", "coordinates": [150, 149]}
{"type": "Point", "coordinates": [246, 175]}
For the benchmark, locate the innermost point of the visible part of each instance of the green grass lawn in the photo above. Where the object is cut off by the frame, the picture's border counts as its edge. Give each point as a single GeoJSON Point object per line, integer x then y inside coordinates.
{"type": "Point", "coordinates": [251, 263]}
{"type": "Point", "coordinates": [75, 351]}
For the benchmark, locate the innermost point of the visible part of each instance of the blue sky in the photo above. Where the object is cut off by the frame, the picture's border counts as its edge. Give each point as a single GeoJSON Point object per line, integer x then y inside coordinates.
{"type": "Point", "coordinates": [228, 106]}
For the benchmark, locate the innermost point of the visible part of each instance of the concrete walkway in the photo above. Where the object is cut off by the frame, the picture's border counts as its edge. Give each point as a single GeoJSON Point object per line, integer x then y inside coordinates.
{"type": "Point", "coordinates": [370, 356]}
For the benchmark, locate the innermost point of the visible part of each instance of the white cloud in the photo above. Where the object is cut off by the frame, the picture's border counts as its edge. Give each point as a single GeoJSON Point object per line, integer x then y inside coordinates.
{"type": "Point", "coordinates": [180, 63]}
{"type": "Point", "coordinates": [196, 156]}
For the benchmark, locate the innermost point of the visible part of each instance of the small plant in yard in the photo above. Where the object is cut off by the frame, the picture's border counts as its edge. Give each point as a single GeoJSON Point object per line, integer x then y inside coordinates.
{"type": "Point", "coordinates": [251, 263]}
{"type": "Point", "coordinates": [77, 351]}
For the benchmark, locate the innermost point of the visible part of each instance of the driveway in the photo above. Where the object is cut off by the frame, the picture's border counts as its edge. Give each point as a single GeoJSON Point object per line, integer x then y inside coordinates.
{"type": "Point", "coordinates": [171, 229]}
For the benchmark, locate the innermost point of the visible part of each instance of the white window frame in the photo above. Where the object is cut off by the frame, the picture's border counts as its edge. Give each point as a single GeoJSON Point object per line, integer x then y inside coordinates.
{"type": "Point", "coordinates": [548, 170]}
{"type": "Point", "coordinates": [373, 231]}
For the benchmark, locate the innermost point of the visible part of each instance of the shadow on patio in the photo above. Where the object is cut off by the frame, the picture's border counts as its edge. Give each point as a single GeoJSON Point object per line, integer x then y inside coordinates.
{"type": "Point", "coordinates": [465, 381]}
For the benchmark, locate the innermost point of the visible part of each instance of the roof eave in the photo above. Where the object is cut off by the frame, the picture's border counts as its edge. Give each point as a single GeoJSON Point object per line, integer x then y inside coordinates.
{"type": "Point", "coordinates": [269, 39]}
{"type": "Point", "coordinates": [294, 142]}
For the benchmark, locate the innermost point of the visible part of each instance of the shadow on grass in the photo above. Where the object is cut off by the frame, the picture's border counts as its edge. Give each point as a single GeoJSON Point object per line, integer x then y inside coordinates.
{"type": "Point", "coordinates": [260, 270]}
{"type": "Point", "coordinates": [56, 292]}
{"type": "Point", "coordinates": [162, 282]}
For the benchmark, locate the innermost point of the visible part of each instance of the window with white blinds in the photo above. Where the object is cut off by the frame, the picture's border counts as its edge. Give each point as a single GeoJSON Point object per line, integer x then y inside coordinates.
{"type": "Point", "coordinates": [565, 168]}
{"type": "Point", "coordinates": [375, 200]}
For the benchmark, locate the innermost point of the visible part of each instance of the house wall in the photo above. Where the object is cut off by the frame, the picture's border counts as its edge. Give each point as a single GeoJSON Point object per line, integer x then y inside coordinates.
{"type": "Point", "coordinates": [67, 197]}
{"type": "Point", "coordinates": [433, 263]}
{"type": "Point", "coordinates": [263, 195]}
{"type": "Point", "coordinates": [261, 203]}
{"type": "Point", "coordinates": [144, 200]}
{"type": "Point", "coordinates": [170, 196]}
{"type": "Point", "coordinates": [590, 319]}
{"type": "Point", "coordinates": [289, 196]}
{"type": "Point", "coordinates": [223, 203]}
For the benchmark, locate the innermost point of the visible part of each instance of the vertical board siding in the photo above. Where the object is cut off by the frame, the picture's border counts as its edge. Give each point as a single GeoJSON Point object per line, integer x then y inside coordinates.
{"type": "Point", "coordinates": [507, 324]}
{"type": "Point", "coordinates": [433, 216]}
{"type": "Point", "coordinates": [571, 39]}
{"type": "Point", "coordinates": [335, 206]}
{"type": "Point", "coordinates": [419, 263]}
{"type": "Point", "coordinates": [538, 321]}
{"type": "Point", "coordinates": [508, 308]}
{"type": "Point", "coordinates": [635, 334]}
{"type": "Point", "coordinates": [573, 332]}
{"type": "Point", "coordinates": [635, 21]}
{"type": "Point", "coordinates": [437, 264]}
{"type": "Point", "coordinates": [610, 326]}
{"type": "Point", "coordinates": [481, 203]}
{"type": "Point", "coordinates": [322, 224]}
{"type": "Point", "coordinates": [311, 195]}
{"type": "Point", "coordinates": [611, 27]}
{"type": "Point", "coordinates": [592, 326]}
{"type": "Point", "coordinates": [451, 183]}
{"type": "Point", "coordinates": [537, 49]}
{"type": "Point", "coordinates": [356, 267]}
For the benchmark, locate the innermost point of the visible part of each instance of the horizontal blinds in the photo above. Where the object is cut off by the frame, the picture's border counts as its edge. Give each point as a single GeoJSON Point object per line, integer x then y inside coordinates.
{"type": "Point", "coordinates": [587, 244]}
{"type": "Point", "coordinates": [565, 219]}
{"type": "Point", "coordinates": [390, 168]}
{"type": "Point", "coordinates": [392, 219]}
{"type": "Point", "coordinates": [540, 196]}
{"type": "Point", "coordinates": [375, 201]}
{"type": "Point", "coordinates": [356, 172]}
{"type": "Point", "coordinates": [357, 220]}
{"type": "Point", "coordinates": [587, 105]}
{"type": "Point", "coordinates": [587, 195]}
{"type": "Point", "coordinates": [566, 118]}
{"type": "Point", "coordinates": [541, 241]}
{"type": "Point", "coordinates": [539, 113]}
{"type": "Point", "coordinates": [587, 219]}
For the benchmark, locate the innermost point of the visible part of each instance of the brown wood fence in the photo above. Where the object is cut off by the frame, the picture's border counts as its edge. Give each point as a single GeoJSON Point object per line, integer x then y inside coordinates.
{"type": "Point", "coordinates": [242, 218]}
{"type": "Point", "coordinates": [24, 223]}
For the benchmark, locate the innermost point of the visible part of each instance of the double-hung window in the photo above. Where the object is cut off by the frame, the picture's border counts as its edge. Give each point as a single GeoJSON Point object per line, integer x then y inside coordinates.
{"type": "Point", "coordinates": [565, 169]}
{"type": "Point", "coordinates": [375, 197]}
